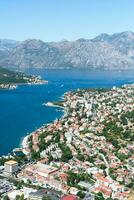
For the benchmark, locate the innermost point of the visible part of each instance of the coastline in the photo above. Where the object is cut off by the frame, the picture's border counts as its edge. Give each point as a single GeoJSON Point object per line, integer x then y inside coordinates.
{"type": "Point", "coordinates": [11, 86]}
{"type": "Point", "coordinates": [51, 104]}
{"type": "Point", "coordinates": [93, 142]}
{"type": "Point", "coordinates": [70, 100]}
{"type": "Point", "coordinates": [24, 143]}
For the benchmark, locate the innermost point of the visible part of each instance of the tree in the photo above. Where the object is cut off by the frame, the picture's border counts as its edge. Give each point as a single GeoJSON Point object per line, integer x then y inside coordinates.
{"type": "Point", "coordinates": [66, 153]}
{"type": "Point", "coordinates": [19, 185]}
{"type": "Point", "coordinates": [80, 157]}
{"type": "Point", "coordinates": [99, 196]}
{"type": "Point", "coordinates": [81, 194]}
{"type": "Point", "coordinates": [46, 198]}
{"type": "Point", "coordinates": [29, 181]}
{"type": "Point", "coordinates": [6, 198]}
{"type": "Point", "coordinates": [22, 197]}
{"type": "Point", "coordinates": [17, 197]}
{"type": "Point", "coordinates": [131, 184]}
{"type": "Point", "coordinates": [35, 155]}
{"type": "Point", "coordinates": [102, 166]}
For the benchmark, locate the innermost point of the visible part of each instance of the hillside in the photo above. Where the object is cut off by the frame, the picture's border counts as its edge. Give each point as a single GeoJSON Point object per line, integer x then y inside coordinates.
{"type": "Point", "coordinates": [105, 52]}
{"type": "Point", "coordinates": [9, 78]}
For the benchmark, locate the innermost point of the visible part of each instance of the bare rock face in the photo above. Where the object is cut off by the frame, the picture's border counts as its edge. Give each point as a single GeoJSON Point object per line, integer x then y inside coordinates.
{"type": "Point", "coordinates": [103, 52]}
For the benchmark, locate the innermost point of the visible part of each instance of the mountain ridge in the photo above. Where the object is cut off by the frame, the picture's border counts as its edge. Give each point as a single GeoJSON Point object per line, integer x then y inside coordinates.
{"type": "Point", "coordinates": [105, 52]}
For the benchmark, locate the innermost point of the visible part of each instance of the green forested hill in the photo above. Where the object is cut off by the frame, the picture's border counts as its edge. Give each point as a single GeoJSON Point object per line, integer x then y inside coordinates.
{"type": "Point", "coordinates": [10, 77]}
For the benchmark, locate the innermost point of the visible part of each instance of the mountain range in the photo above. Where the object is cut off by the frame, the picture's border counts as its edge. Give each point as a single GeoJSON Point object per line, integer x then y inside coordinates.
{"type": "Point", "coordinates": [105, 52]}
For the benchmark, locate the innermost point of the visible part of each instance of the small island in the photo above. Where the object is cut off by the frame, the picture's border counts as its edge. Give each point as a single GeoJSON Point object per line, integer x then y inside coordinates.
{"type": "Point", "coordinates": [10, 79]}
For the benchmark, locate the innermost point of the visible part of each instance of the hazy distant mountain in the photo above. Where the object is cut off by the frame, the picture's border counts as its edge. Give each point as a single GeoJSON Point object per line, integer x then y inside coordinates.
{"type": "Point", "coordinates": [8, 44]}
{"type": "Point", "coordinates": [104, 52]}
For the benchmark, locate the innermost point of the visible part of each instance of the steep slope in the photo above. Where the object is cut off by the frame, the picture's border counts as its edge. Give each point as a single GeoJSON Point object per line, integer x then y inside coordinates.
{"type": "Point", "coordinates": [11, 77]}
{"type": "Point", "coordinates": [6, 44]}
{"type": "Point", "coordinates": [33, 53]}
{"type": "Point", "coordinates": [104, 52]}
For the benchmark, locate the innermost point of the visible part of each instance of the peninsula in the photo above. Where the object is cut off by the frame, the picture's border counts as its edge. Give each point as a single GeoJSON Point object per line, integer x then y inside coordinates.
{"type": "Point", "coordinates": [91, 146]}
{"type": "Point", "coordinates": [88, 153]}
{"type": "Point", "coordinates": [10, 79]}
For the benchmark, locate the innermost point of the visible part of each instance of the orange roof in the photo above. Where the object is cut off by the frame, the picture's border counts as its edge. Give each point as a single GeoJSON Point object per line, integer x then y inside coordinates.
{"type": "Point", "coordinates": [103, 179]}
{"type": "Point", "coordinates": [98, 175]}
{"type": "Point", "coordinates": [44, 160]}
{"type": "Point", "coordinates": [105, 190]}
{"type": "Point", "coordinates": [69, 197]}
{"type": "Point", "coordinates": [63, 175]}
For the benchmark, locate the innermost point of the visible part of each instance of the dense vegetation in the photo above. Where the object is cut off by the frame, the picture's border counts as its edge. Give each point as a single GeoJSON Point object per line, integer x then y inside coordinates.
{"type": "Point", "coordinates": [9, 77]}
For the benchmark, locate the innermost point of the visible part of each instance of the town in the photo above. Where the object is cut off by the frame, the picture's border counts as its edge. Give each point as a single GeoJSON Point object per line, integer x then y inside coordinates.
{"type": "Point", "coordinates": [87, 154]}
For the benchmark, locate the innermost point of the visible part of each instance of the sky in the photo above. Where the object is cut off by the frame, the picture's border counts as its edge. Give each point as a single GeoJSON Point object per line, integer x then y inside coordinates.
{"type": "Point", "coordinates": [56, 20]}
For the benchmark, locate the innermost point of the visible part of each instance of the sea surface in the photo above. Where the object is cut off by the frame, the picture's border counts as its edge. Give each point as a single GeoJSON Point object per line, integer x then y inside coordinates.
{"type": "Point", "coordinates": [21, 110]}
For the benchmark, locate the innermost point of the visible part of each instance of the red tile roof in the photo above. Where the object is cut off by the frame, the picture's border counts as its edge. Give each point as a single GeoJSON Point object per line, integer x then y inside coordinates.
{"type": "Point", "coordinates": [69, 197]}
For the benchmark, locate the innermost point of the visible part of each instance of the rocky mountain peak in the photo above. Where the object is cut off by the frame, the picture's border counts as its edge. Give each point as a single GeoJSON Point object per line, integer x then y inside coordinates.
{"type": "Point", "coordinates": [105, 51]}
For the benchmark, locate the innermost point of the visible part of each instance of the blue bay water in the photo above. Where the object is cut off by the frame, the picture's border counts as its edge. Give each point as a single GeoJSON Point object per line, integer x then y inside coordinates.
{"type": "Point", "coordinates": [21, 110]}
